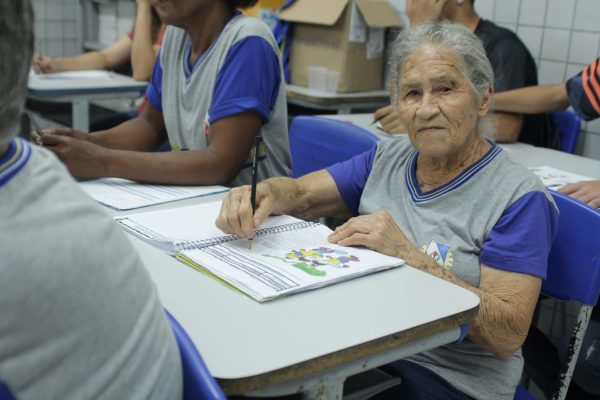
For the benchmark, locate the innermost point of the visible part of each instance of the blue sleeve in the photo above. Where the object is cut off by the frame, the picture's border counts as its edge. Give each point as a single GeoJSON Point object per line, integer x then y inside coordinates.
{"type": "Point", "coordinates": [521, 239]}
{"type": "Point", "coordinates": [351, 177]}
{"type": "Point", "coordinates": [249, 80]}
{"type": "Point", "coordinates": [154, 90]}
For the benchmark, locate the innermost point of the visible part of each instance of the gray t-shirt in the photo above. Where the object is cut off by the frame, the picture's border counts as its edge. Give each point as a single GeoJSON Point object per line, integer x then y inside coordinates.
{"type": "Point", "coordinates": [79, 316]}
{"type": "Point", "coordinates": [496, 212]}
{"type": "Point", "coordinates": [186, 94]}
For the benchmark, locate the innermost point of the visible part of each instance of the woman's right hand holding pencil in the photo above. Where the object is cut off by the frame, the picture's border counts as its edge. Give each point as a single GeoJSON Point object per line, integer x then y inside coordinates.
{"type": "Point", "coordinates": [236, 210]}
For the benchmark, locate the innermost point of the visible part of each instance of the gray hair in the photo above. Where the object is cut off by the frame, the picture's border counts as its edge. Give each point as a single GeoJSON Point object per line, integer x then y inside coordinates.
{"type": "Point", "coordinates": [16, 50]}
{"type": "Point", "coordinates": [475, 65]}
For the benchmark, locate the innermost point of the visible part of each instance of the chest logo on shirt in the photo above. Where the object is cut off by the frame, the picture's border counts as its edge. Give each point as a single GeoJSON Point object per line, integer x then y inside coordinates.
{"type": "Point", "coordinates": [440, 253]}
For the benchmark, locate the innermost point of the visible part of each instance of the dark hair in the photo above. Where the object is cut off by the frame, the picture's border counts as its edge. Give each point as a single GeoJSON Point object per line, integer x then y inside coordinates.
{"type": "Point", "coordinates": [16, 47]}
{"type": "Point", "coordinates": [233, 4]}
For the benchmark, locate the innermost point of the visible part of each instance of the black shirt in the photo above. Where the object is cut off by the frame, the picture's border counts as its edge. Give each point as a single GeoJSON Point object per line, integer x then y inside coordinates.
{"type": "Point", "coordinates": [514, 68]}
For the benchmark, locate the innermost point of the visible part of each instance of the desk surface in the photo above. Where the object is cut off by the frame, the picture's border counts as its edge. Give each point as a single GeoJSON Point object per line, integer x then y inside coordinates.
{"type": "Point", "coordinates": [342, 102]}
{"type": "Point", "coordinates": [82, 83]}
{"type": "Point", "coordinates": [248, 345]}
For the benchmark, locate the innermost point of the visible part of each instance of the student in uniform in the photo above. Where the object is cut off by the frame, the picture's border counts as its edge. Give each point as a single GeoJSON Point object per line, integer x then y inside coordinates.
{"type": "Point", "coordinates": [216, 85]}
{"type": "Point", "coordinates": [582, 92]}
{"type": "Point", "coordinates": [79, 315]}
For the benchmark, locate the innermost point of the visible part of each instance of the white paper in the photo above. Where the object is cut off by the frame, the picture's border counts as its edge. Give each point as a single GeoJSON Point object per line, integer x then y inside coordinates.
{"type": "Point", "coordinates": [358, 27]}
{"type": "Point", "coordinates": [554, 178]}
{"type": "Point", "coordinates": [375, 43]}
{"type": "Point", "coordinates": [123, 194]}
{"type": "Point", "coordinates": [71, 75]}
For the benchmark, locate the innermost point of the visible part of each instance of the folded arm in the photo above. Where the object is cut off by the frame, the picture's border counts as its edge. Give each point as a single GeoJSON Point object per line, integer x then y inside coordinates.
{"type": "Point", "coordinates": [533, 99]}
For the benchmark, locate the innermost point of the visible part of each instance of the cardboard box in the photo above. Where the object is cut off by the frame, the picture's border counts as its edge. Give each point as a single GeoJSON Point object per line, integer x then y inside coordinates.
{"type": "Point", "coordinates": [346, 36]}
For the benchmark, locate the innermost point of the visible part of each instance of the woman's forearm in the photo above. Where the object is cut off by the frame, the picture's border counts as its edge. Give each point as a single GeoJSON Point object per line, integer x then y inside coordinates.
{"type": "Point", "coordinates": [505, 312]}
{"type": "Point", "coordinates": [532, 99]}
{"type": "Point", "coordinates": [142, 48]}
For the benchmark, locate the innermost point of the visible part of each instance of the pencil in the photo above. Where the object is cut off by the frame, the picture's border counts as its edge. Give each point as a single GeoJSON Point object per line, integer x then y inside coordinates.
{"type": "Point", "coordinates": [35, 126]}
{"type": "Point", "coordinates": [254, 179]}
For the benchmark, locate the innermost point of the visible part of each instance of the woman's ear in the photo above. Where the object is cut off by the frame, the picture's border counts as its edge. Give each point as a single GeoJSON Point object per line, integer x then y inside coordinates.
{"type": "Point", "coordinates": [486, 102]}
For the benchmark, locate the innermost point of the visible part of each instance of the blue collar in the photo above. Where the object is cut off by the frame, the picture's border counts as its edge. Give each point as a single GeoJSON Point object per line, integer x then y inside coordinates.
{"type": "Point", "coordinates": [14, 159]}
{"type": "Point", "coordinates": [189, 70]}
{"type": "Point", "coordinates": [415, 191]}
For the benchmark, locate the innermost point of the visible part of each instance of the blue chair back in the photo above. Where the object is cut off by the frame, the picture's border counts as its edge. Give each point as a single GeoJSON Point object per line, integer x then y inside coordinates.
{"type": "Point", "coordinates": [568, 125]}
{"type": "Point", "coordinates": [574, 260]}
{"type": "Point", "coordinates": [316, 143]}
{"type": "Point", "coordinates": [573, 274]}
{"type": "Point", "coordinates": [198, 383]}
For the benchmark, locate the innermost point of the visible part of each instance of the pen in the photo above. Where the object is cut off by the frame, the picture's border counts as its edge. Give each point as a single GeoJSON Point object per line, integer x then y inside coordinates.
{"type": "Point", "coordinates": [254, 178]}
{"type": "Point", "coordinates": [376, 120]}
{"type": "Point", "coordinates": [35, 126]}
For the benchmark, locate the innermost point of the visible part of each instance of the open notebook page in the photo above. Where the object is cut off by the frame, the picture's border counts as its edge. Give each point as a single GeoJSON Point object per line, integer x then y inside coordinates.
{"type": "Point", "coordinates": [286, 262]}
{"type": "Point", "coordinates": [167, 228]}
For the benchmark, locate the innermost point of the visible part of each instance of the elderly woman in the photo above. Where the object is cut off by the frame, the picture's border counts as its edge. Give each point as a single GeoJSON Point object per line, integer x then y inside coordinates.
{"type": "Point", "coordinates": [217, 84]}
{"type": "Point", "coordinates": [449, 202]}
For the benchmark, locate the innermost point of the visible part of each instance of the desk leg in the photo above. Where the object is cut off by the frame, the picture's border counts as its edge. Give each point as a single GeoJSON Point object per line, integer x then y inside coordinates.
{"type": "Point", "coordinates": [328, 388]}
{"type": "Point", "coordinates": [81, 115]}
{"type": "Point", "coordinates": [344, 109]}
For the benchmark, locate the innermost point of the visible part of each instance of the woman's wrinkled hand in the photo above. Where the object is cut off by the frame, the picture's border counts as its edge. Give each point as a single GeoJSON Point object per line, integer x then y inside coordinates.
{"type": "Point", "coordinates": [236, 215]}
{"type": "Point", "coordinates": [376, 231]}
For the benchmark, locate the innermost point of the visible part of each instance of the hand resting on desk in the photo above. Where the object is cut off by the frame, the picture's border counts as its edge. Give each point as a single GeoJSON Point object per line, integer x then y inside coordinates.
{"type": "Point", "coordinates": [586, 191]}
{"type": "Point", "coordinates": [74, 148]}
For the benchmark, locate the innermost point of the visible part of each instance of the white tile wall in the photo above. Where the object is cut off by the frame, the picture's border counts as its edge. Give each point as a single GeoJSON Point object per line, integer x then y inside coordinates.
{"type": "Point", "coordinates": [562, 35]}
{"type": "Point", "coordinates": [56, 27]}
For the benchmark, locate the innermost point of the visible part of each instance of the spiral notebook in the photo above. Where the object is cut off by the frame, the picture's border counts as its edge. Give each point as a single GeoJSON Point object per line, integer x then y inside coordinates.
{"type": "Point", "coordinates": [288, 255]}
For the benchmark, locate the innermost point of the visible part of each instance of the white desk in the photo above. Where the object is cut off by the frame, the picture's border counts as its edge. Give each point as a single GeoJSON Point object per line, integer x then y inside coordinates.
{"type": "Point", "coordinates": [80, 91]}
{"type": "Point", "coordinates": [312, 341]}
{"type": "Point", "coordinates": [342, 103]}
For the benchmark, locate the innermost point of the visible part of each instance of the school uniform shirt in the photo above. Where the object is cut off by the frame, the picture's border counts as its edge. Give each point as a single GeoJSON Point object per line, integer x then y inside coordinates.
{"type": "Point", "coordinates": [240, 72]}
{"type": "Point", "coordinates": [496, 212]}
{"type": "Point", "coordinates": [584, 91]}
{"type": "Point", "coordinates": [79, 315]}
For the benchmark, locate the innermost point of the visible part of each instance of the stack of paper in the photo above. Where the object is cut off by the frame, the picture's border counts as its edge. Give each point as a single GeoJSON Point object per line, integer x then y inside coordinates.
{"type": "Point", "coordinates": [554, 178]}
{"type": "Point", "coordinates": [123, 194]}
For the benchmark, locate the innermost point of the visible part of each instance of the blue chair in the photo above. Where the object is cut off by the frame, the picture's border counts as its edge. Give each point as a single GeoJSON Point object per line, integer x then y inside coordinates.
{"type": "Point", "coordinates": [568, 125]}
{"type": "Point", "coordinates": [316, 143]}
{"type": "Point", "coordinates": [573, 274]}
{"type": "Point", "coordinates": [198, 383]}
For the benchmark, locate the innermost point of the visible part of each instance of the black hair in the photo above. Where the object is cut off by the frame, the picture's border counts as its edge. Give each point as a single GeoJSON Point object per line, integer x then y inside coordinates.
{"type": "Point", "coordinates": [234, 4]}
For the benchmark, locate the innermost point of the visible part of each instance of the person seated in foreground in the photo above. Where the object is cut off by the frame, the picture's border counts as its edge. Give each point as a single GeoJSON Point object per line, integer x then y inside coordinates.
{"type": "Point", "coordinates": [449, 202]}
{"type": "Point", "coordinates": [511, 61]}
{"type": "Point", "coordinates": [79, 315]}
{"type": "Point", "coordinates": [216, 85]}
{"type": "Point", "coordinates": [581, 93]}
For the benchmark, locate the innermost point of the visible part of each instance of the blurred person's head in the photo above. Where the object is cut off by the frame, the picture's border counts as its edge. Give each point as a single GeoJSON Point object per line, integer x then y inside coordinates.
{"type": "Point", "coordinates": [181, 13]}
{"type": "Point", "coordinates": [16, 48]}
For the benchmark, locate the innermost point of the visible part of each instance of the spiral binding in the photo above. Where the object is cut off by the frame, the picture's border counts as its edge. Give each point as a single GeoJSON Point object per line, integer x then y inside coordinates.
{"type": "Point", "coordinates": [201, 244]}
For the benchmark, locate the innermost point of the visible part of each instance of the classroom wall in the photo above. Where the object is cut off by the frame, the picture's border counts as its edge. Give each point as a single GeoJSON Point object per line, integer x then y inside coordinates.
{"type": "Point", "coordinates": [57, 27]}
{"type": "Point", "coordinates": [562, 35]}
